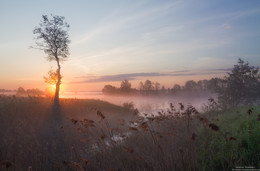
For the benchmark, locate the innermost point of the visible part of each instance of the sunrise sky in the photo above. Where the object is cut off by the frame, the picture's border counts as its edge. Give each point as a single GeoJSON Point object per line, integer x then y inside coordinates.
{"type": "Point", "coordinates": [165, 41]}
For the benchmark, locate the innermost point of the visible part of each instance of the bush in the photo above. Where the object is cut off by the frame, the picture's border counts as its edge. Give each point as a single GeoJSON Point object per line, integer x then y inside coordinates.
{"type": "Point", "coordinates": [129, 105]}
{"type": "Point", "coordinates": [240, 87]}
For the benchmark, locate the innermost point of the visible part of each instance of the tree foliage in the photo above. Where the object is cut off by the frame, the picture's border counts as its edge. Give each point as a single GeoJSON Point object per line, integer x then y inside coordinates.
{"type": "Point", "coordinates": [52, 77]}
{"type": "Point", "coordinates": [109, 89]}
{"type": "Point", "coordinates": [241, 86]}
{"type": "Point", "coordinates": [190, 85]}
{"type": "Point", "coordinates": [125, 86]}
{"type": "Point", "coordinates": [176, 88]}
{"type": "Point", "coordinates": [52, 37]}
{"type": "Point", "coordinates": [156, 86]}
{"type": "Point", "coordinates": [148, 85]}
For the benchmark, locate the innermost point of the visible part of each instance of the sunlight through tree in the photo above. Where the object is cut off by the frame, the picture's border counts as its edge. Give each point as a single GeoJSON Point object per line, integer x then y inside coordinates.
{"type": "Point", "coordinates": [53, 39]}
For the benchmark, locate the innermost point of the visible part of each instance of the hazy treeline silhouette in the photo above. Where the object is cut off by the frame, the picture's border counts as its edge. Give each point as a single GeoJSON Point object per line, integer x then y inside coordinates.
{"type": "Point", "coordinates": [241, 86]}
{"type": "Point", "coordinates": [5, 90]}
{"type": "Point", "coordinates": [29, 92]}
{"type": "Point", "coordinates": [148, 87]}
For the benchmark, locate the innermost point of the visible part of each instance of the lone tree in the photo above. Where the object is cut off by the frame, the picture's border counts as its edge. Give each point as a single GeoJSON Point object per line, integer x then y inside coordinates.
{"type": "Point", "coordinates": [53, 39]}
{"type": "Point", "coordinates": [240, 87]}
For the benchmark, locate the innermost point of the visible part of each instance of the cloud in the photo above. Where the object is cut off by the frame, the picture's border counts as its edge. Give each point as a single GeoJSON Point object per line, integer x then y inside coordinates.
{"type": "Point", "coordinates": [134, 76]}
{"type": "Point", "coordinates": [162, 33]}
{"type": "Point", "coordinates": [221, 70]}
{"type": "Point", "coordinates": [124, 18]}
{"type": "Point", "coordinates": [27, 79]}
{"type": "Point", "coordinates": [120, 77]}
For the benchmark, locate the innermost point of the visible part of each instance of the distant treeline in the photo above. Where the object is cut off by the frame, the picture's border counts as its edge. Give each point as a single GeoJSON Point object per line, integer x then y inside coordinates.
{"type": "Point", "coordinates": [5, 90]}
{"type": "Point", "coordinates": [241, 86]}
{"type": "Point", "coordinates": [35, 92]}
{"type": "Point", "coordinates": [148, 87]}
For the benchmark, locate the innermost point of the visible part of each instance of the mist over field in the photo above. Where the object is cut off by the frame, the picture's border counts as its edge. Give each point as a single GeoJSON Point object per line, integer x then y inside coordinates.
{"type": "Point", "coordinates": [146, 104]}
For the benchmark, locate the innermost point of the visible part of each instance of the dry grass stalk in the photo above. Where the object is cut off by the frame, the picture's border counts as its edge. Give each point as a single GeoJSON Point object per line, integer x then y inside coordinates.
{"type": "Point", "coordinates": [100, 114]}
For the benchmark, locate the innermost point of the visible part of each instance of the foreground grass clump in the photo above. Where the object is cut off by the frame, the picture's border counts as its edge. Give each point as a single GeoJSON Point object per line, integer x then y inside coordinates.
{"type": "Point", "coordinates": [33, 134]}
{"type": "Point", "coordinates": [182, 139]}
{"type": "Point", "coordinates": [96, 135]}
{"type": "Point", "coordinates": [238, 141]}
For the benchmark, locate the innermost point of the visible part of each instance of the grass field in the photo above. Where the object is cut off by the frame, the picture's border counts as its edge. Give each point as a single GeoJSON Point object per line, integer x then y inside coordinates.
{"type": "Point", "coordinates": [96, 135]}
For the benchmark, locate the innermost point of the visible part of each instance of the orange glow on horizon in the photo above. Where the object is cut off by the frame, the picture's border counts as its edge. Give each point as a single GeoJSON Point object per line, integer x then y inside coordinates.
{"type": "Point", "coordinates": [51, 88]}
{"type": "Point", "coordinates": [66, 86]}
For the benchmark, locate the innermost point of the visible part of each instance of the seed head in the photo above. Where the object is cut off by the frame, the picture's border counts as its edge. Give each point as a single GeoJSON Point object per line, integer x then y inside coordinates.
{"type": "Point", "coordinates": [214, 127]}
{"type": "Point", "coordinates": [100, 114]}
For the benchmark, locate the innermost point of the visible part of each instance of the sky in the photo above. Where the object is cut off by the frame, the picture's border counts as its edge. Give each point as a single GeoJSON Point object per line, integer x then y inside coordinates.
{"type": "Point", "coordinates": [168, 41]}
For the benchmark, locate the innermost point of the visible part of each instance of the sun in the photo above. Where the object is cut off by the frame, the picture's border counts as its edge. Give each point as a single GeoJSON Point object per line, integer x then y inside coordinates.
{"type": "Point", "coordinates": [50, 90]}
{"type": "Point", "coordinates": [53, 86]}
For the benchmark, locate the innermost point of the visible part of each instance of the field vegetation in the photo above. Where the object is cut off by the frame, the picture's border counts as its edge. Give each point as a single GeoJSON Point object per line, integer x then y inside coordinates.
{"type": "Point", "coordinates": [96, 135]}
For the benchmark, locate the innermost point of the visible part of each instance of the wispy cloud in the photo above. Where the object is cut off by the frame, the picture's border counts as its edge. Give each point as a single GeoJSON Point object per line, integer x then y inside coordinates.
{"type": "Point", "coordinates": [123, 20]}
{"type": "Point", "coordinates": [120, 77]}
{"type": "Point", "coordinates": [141, 48]}
{"type": "Point", "coordinates": [27, 79]}
{"type": "Point", "coordinates": [135, 76]}
{"type": "Point", "coordinates": [162, 33]}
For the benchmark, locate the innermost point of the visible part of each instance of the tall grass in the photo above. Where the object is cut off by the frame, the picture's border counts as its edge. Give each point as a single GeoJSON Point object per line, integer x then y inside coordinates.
{"type": "Point", "coordinates": [96, 135]}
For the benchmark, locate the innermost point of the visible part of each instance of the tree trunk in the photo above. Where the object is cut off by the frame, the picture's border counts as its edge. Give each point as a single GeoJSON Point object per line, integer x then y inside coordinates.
{"type": "Point", "coordinates": [57, 90]}
{"type": "Point", "coordinates": [56, 97]}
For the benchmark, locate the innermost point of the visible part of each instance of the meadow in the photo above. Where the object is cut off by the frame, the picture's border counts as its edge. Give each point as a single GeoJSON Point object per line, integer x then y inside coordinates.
{"type": "Point", "coordinates": [96, 135]}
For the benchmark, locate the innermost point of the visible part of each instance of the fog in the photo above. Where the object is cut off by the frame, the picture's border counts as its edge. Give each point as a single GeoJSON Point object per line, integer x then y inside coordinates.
{"type": "Point", "coordinates": [149, 104]}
